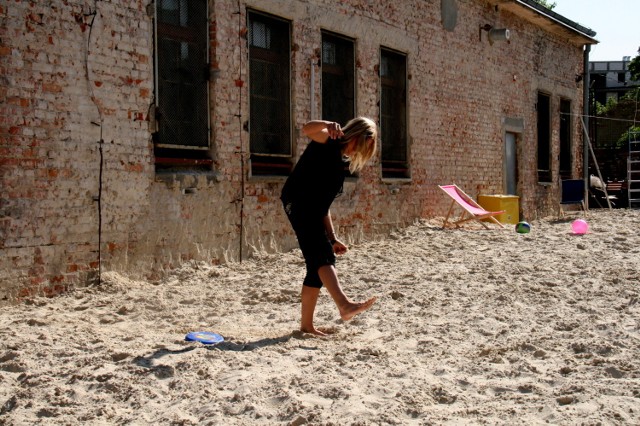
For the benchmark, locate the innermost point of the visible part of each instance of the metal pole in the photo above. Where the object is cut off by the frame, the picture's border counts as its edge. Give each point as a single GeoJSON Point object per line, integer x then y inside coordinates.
{"type": "Point", "coordinates": [585, 120]}
{"type": "Point", "coordinates": [312, 90]}
{"type": "Point", "coordinates": [595, 163]}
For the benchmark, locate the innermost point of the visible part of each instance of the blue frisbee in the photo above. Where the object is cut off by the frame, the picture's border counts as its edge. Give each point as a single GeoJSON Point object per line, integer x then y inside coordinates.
{"type": "Point", "coordinates": [204, 337]}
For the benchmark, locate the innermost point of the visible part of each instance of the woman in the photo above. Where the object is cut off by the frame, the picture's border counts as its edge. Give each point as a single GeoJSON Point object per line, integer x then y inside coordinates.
{"type": "Point", "coordinates": [315, 182]}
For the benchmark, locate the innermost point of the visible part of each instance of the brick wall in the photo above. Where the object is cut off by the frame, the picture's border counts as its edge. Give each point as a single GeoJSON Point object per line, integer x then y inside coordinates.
{"type": "Point", "coordinates": [77, 83]}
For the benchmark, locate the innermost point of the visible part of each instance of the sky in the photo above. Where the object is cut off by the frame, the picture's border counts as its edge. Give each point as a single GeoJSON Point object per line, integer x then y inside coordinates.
{"type": "Point", "coordinates": [616, 23]}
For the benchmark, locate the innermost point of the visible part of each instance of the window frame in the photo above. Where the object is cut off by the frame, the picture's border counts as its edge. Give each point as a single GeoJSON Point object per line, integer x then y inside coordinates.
{"type": "Point", "coordinates": [402, 168]}
{"type": "Point", "coordinates": [544, 142]}
{"type": "Point", "coordinates": [166, 154]}
{"type": "Point", "coordinates": [270, 163]}
{"type": "Point", "coordinates": [348, 71]}
{"type": "Point", "coordinates": [565, 133]}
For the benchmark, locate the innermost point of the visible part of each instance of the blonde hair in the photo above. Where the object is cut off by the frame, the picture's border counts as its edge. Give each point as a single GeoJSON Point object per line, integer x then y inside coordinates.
{"type": "Point", "coordinates": [361, 129]}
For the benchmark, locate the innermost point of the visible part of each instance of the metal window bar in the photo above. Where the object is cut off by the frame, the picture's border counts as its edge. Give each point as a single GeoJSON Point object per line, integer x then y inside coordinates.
{"type": "Point", "coordinates": [566, 153]}
{"type": "Point", "coordinates": [338, 78]}
{"type": "Point", "coordinates": [181, 59]}
{"type": "Point", "coordinates": [393, 115]}
{"type": "Point", "coordinates": [544, 138]}
{"type": "Point", "coordinates": [270, 97]}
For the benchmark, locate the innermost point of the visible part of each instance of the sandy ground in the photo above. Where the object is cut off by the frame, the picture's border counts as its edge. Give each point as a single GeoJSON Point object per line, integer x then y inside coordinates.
{"type": "Point", "coordinates": [471, 327]}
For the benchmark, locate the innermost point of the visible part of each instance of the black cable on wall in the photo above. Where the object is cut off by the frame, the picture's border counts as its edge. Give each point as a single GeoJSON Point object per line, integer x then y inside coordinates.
{"type": "Point", "coordinates": [93, 15]}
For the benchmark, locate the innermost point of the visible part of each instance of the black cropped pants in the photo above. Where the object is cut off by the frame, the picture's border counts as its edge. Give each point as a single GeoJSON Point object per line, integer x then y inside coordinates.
{"type": "Point", "coordinates": [313, 240]}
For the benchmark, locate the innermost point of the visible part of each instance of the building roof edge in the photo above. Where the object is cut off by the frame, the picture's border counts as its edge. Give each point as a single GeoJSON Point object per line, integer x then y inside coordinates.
{"type": "Point", "coordinates": [558, 18]}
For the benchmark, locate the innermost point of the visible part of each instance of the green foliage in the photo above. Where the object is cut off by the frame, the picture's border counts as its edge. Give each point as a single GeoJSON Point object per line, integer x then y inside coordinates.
{"type": "Point", "coordinates": [633, 133]}
{"type": "Point", "coordinates": [546, 3]}
{"type": "Point", "coordinates": [634, 67]}
{"type": "Point", "coordinates": [618, 119]}
{"type": "Point", "coordinates": [606, 109]}
{"type": "Point", "coordinates": [632, 95]}
{"type": "Point", "coordinates": [622, 114]}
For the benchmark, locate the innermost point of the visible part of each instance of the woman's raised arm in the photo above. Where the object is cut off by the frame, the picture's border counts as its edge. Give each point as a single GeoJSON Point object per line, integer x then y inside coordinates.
{"type": "Point", "coordinates": [321, 130]}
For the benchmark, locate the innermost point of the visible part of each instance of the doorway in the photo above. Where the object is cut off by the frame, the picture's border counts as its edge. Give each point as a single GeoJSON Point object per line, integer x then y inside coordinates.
{"type": "Point", "coordinates": [511, 163]}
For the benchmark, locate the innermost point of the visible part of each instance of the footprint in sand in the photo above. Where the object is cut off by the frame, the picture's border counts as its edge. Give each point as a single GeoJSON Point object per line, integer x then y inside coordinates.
{"type": "Point", "coordinates": [36, 323]}
{"type": "Point", "coordinates": [13, 367]}
{"type": "Point", "coordinates": [116, 357]}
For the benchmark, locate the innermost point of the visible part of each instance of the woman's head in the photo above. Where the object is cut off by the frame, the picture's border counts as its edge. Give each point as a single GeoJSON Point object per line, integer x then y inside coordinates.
{"type": "Point", "coordinates": [361, 138]}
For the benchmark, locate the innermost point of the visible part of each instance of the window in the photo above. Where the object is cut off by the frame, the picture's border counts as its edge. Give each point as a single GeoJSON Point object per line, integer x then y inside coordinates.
{"type": "Point", "coordinates": [544, 138]}
{"type": "Point", "coordinates": [181, 85]}
{"type": "Point", "coordinates": [338, 78]}
{"type": "Point", "coordinates": [393, 114]}
{"type": "Point", "coordinates": [566, 154]}
{"type": "Point", "coordinates": [270, 97]}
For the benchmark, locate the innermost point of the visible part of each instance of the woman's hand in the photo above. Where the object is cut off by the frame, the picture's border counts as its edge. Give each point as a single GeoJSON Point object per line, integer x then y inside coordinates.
{"type": "Point", "coordinates": [339, 248]}
{"type": "Point", "coordinates": [334, 130]}
{"type": "Point", "coordinates": [321, 130]}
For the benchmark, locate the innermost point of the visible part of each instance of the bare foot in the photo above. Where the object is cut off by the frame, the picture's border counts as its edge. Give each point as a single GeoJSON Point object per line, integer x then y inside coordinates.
{"type": "Point", "coordinates": [322, 331]}
{"type": "Point", "coordinates": [356, 308]}
{"type": "Point", "coordinates": [313, 331]}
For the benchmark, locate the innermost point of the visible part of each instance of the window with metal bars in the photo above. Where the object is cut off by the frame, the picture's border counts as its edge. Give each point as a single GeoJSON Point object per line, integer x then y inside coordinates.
{"type": "Point", "coordinates": [181, 92]}
{"type": "Point", "coordinates": [270, 94]}
{"type": "Point", "coordinates": [544, 137]}
{"type": "Point", "coordinates": [338, 78]}
{"type": "Point", "coordinates": [566, 154]}
{"type": "Point", "coordinates": [393, 114]}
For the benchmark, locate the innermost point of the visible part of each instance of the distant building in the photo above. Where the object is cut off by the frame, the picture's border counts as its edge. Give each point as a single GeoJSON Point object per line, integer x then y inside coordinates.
{"type": "Point", "coordinates": [611, 79]}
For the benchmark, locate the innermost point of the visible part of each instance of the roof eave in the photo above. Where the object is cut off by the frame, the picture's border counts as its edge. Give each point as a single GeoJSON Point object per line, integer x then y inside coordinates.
{"type": "Point", "coordinates": [548, 19]}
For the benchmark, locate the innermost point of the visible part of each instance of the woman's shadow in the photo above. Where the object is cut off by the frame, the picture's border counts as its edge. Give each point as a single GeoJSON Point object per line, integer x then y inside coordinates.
{"type": "Point", "coordinates": [148, 361]}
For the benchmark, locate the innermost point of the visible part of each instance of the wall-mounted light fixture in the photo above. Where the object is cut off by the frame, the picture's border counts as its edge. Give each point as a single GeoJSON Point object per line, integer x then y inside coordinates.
{"type": "Point", "coordinates": [494, 34]}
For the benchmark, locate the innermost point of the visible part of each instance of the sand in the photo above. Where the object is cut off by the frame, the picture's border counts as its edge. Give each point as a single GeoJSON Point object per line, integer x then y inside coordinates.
{"type": "Point", "coordinates": [472, 326]}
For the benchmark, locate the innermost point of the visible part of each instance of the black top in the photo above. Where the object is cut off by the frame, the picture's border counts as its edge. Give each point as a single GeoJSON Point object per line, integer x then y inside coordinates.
{"type": "Point", "coordinates": [317, 178]}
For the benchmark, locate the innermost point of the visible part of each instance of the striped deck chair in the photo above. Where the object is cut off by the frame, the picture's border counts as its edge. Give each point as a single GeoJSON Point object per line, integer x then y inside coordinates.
{"type": "Point", "coordinates": [471, 209]}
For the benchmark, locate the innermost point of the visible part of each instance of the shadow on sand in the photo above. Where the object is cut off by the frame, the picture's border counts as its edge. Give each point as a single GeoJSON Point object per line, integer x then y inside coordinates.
{"type": "Point", "coordinates": [148, 361]}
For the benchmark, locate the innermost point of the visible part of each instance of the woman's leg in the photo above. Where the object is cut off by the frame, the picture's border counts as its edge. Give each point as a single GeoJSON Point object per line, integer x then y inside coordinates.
{"type": "Point", "coordinates": [347, 309]}
{"type": "Point", "coordinates": [309, 298]}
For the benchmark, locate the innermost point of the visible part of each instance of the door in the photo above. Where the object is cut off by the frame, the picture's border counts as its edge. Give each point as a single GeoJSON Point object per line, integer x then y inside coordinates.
{"type": "Point", "coordinates": [511, 163]}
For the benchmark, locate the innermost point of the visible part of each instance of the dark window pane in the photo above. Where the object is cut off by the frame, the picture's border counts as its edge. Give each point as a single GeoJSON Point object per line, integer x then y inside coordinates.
{"type": "Point", "coordinates": [544, 138]}
{"type": "Point", "coordinates": [338, 78]}
{"type": "Point", "coordinates": [393, 114]}
{"type": "Point", "coordinates": [566, 154]}
{"type": "Point", "coordinates": [182, 68]}
{"type": "Point", "coordinates": [269, 88]}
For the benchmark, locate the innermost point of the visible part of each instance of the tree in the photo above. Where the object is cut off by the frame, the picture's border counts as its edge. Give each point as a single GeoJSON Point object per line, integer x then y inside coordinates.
{"type": "Point", "coordinates": [632, 97]}
{"type": "Point", "coordinates": [546, 3]}
{"type": "Point", "coordinates": [624, 110]}
{"type": "Point", "coordinates": [634, 67]}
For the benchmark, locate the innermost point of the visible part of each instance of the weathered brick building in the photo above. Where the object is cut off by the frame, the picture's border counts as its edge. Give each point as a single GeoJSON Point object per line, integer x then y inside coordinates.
{"type": "Point", "coordinates": [137, 134]}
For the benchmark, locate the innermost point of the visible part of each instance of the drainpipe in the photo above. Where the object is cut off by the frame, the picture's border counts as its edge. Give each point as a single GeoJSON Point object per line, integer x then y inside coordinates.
{"type": "Point", "coordinates": [585, 116]}
{"type": "Point", "coordinates": [312, 89]}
